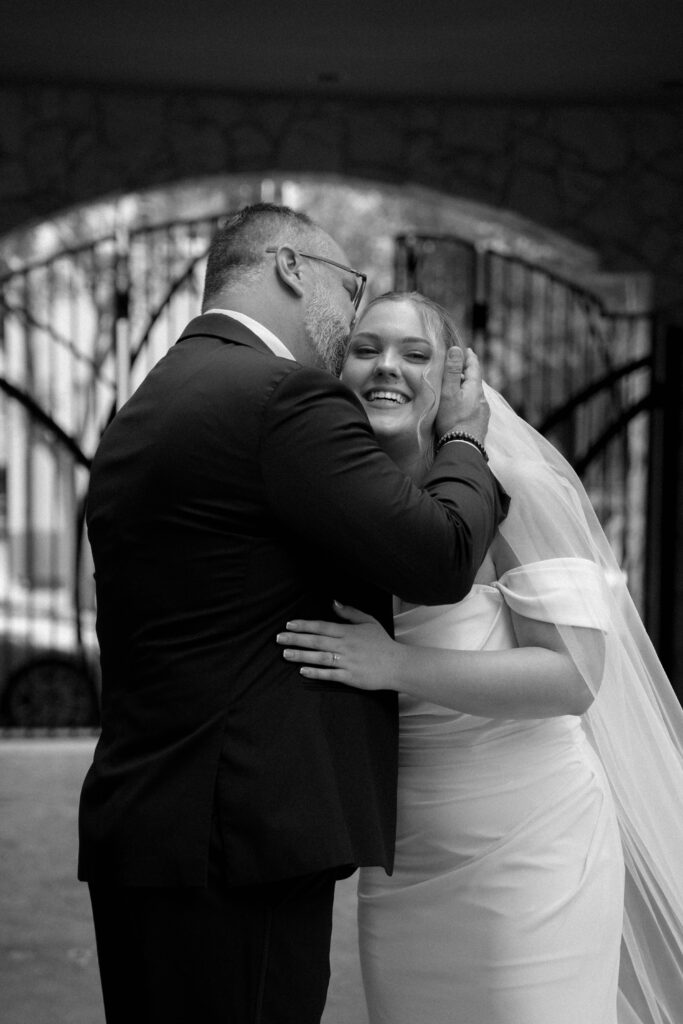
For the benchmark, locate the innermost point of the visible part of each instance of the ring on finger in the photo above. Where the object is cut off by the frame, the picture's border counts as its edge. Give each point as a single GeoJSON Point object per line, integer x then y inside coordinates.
{"type": "Point", "coordinates": [335, 659]}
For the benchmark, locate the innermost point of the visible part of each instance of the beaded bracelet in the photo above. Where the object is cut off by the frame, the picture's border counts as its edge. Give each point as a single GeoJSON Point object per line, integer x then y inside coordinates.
{"type": "Point", "coordinates": [460, 435]}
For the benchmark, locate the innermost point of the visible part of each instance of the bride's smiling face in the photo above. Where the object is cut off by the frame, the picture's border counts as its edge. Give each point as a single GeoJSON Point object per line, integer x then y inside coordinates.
{"type": "Point", "coordinates": [395, 368]}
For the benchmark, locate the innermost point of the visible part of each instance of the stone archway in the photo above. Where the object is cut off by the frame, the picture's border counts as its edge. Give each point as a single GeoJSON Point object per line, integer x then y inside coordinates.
{"type": "Point", "coordinates": [607, 175]}
{"type": "Point", "coordinates": [363, 214]}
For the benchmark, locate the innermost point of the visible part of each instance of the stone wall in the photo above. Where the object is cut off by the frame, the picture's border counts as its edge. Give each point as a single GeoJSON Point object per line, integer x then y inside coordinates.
{"type": "Point", "coordinates": [607, 176]}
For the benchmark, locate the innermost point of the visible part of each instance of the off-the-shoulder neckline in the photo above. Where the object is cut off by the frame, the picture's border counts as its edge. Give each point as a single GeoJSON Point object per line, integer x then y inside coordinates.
{"type": "Point", "coordinates": [543, 563]}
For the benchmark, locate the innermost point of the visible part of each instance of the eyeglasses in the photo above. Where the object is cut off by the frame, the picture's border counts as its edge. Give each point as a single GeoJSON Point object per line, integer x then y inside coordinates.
{"type": "Point", "coordinates": [360, 283]}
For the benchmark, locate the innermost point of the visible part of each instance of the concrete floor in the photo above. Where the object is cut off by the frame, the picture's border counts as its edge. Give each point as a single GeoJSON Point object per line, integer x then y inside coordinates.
{"type": "Point", "coordinates": [48, 964]}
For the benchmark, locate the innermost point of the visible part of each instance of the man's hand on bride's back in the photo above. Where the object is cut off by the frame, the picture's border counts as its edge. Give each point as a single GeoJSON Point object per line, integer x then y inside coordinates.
{"type": "Point", "coordinates": [463, 406]}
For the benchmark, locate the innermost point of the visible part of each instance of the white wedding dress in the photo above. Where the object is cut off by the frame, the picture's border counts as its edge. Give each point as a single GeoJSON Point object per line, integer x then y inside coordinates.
{"type": "Point", "coordinates": [506, 902]}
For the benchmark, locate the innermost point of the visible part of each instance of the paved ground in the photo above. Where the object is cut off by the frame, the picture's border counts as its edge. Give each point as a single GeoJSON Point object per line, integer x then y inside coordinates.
{"type": "Point", "coordinates": [48, 966]}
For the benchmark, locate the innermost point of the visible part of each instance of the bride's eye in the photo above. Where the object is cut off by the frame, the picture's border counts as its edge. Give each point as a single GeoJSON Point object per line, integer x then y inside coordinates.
{"type": "Point", "coordinates": [363, 351]}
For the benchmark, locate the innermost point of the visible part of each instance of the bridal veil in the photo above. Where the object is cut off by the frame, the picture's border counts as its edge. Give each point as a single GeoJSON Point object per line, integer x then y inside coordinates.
{"type": "Point", "coordinates": [635, 722]}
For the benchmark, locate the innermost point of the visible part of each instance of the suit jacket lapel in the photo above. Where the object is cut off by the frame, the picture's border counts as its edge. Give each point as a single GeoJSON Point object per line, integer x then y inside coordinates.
{"type": "Point", "coordinates": [217, 325]}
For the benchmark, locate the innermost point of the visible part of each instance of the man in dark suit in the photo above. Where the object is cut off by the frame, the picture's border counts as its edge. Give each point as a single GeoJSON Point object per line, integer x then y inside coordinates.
{"type": "Point", "coordinates": [240, 487]}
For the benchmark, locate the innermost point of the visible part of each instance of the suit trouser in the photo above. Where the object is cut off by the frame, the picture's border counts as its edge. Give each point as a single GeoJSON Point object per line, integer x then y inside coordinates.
{"type": "Point", "coordinates": [215, 955]}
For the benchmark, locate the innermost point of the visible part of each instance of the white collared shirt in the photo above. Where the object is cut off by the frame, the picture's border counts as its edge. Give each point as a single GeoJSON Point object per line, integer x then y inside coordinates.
{"type": "Point", "coordinates": [266, 336]}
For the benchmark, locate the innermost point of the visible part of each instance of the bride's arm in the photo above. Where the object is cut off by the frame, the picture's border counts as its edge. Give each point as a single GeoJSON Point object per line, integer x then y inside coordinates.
{"type": "Point", "coordinates": [538, 679]}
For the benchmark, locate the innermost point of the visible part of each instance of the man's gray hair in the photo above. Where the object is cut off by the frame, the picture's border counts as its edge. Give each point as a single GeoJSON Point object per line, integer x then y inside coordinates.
{"type": "Point", "coordinates": [238, 247]}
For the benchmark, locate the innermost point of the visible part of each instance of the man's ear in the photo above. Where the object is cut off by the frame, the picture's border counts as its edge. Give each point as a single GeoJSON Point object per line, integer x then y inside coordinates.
{"type": "Point", "coordinates": [288, 269]}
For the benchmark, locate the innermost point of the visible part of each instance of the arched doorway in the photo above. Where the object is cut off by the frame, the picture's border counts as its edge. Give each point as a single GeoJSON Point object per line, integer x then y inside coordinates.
{"type": "Point", "coordinates": [91, 300]}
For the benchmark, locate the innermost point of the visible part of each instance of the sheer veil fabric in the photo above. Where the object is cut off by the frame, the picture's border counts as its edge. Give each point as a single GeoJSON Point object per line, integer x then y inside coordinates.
{"type": "Point", "coordinates": [635, 723]}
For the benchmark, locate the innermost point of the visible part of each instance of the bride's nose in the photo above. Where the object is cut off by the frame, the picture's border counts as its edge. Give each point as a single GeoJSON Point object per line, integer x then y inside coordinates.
{"type": "Point", "coordinates": [387, 365]}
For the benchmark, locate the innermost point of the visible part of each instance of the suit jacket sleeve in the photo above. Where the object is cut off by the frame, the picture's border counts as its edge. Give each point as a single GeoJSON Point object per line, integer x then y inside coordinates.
{"type": "Point", "coordinates": [334, 488]}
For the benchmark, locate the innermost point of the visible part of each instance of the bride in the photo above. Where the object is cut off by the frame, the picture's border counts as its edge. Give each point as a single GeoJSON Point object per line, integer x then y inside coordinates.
{"type": "Point", "coordinates": [540, 836]}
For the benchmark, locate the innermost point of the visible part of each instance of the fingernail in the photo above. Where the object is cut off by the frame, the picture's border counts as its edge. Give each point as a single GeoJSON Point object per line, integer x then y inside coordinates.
{"type": "Point", "coordinates": [292, 625]}
{"type": "Point", "coordinates": [338, 604]}
{"type": "Point", "coordinates": [280, 638]}
{"type": "Point", "coordinates": [287, 654]}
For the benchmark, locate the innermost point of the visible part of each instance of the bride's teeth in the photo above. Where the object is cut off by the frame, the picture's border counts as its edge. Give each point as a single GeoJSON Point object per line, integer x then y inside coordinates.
{"type": "Point", "coordinates": [390, 396]}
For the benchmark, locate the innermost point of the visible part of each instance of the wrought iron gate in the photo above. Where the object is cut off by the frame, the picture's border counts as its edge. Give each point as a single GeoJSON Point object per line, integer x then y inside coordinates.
{"type": "Point", "coordinates": [86, 326]}
{"type": "Point", "coordinates": [580, 374]}
{"type": "Point", "coordinates": [78, 333]}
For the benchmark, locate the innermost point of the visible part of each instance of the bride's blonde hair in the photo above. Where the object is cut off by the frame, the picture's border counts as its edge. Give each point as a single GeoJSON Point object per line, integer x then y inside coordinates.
{"type": "Point", "coordinates": [437, 321]}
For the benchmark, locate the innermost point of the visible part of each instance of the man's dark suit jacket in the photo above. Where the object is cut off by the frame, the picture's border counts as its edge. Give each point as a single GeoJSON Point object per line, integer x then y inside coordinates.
{"type": "Point", "coordinates": [237, 490]}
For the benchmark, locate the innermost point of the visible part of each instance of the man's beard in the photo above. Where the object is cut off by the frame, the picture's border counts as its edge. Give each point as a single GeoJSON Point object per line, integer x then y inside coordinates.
{"type": "Point", "coordinates": [327, 330]}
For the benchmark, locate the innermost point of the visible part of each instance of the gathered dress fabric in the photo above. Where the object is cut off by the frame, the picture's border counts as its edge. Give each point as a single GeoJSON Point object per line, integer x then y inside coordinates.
{"type": "Point", "coordinates": [506, 901]}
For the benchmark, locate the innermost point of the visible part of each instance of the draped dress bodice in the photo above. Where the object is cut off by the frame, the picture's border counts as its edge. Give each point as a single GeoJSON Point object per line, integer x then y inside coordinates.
{"type": "Point", "coordinates": [431, 734]}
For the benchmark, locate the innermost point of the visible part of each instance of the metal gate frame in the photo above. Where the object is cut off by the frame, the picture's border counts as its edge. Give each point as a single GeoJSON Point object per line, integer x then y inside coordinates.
{"type": "Point", "coordinates": [100, 315]}
{"type": "Point", "coordinates": [582, 375]}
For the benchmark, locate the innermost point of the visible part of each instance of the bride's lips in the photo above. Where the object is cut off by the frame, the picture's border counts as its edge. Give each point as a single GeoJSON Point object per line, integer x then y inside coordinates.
{"type": "Point", "coordinates": [386, 398]}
